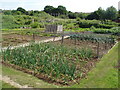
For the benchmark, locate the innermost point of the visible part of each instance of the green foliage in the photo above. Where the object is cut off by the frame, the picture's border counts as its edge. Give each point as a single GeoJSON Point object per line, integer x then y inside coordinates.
{"type": "Point", "coordinates": [93, 38]}
{"type": "Point", "coordinates": [92, 28]}
{"type": "Point", "coordinates": [23, 11]}
{"type": "Point", "coordinates": [17, 21]}
{"type": "Point", "coordinates": [8, 22]}
{"type": "Point", "coordinates": [50, 59]}
{"type": "Point", "coordinates": [96, 24]}
{"type": "Point", "coordinates": [98, 15]}
{"type": "Point", "coordinates": [88, 23]}
{"type": "Point", "coordinates": [48, 9]}
{"type": "Point", "coordinates": [72, 15]}
{"type": "Point", "coordinates": [7, 12]}
{"type": "Point", "coordinates": [35, 25]}
{"type": "Point", "coordinates": [113, 31]}
{"type": "Point", "coordinates": [55, 11]}
{"type": "Point", "coordinates": [110, 14]}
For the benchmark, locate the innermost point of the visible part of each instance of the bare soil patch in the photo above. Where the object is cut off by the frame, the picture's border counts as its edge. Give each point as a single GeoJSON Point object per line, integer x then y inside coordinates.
{"type": "Point", "coordinates": [15, 39]}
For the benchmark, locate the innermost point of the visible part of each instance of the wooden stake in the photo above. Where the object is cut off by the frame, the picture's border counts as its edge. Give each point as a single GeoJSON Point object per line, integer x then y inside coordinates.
{"type": "Point", "coordinates": [62, 39]}
{"type": "Point", "coordinates": [75, 41]}
{"type": "Point", "coordinates": [98, 50]}
{"type": "Point", "coordinates": [33, 37]}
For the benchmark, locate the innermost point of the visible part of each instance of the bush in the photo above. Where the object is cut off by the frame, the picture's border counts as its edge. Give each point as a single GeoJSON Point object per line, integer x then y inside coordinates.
{"type": "Point", "coordinates": [92, 28]}
{"type": "Point", "coordinates": [95, 23]}
{"type": "Point", "coordinates": [35, 25]}
{"type": "Point", "coordinates": [113, 31]}
{"type": "Point", "coordinates": [41, 25]}
{"type": "Point", "coordinates": [88, 23]}
{"type": "Point", "coordinates": [106, 26]}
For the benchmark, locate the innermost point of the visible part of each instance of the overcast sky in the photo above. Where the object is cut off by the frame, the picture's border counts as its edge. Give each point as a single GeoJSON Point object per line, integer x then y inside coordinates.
{"type": "Point", "coordinates": [71, 5]}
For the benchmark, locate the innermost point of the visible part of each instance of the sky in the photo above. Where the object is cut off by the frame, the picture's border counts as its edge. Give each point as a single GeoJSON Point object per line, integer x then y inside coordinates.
{"type": "Point", "coordinates": [71, 5]}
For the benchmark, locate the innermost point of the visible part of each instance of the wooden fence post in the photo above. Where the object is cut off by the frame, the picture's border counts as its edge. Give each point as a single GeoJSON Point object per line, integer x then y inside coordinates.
{"type": "Point", "coordinates": [54, 37]}
{"type": "Point", "coordinates": [98, 50]}
{"type": "Point", "coordinates": [62, 39]}
{"type": "Point", "coordinates": [75, 40]}
{"type": "Point", "coordinates": [33, 36]}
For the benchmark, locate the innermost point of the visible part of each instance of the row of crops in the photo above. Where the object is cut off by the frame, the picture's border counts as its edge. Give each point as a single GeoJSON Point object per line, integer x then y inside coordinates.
{"type": "Point", "coordinates": [58, 62]}
{"type": "Point", "coordinates": [113, 31]}
{"type": "Point", "coordinates": [93, 38]}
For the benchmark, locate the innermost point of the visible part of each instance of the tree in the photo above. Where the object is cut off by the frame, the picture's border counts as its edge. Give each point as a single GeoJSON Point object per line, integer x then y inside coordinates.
{"type": "Point", "coordinates": [48, 9]}
{"type": "Point", "coordinates": [62, 9]}
{"type": "Point", "coordinates": [111, 13]}
{"type": "Point", "coordinates": [92, 16]}
{"type": "Point", "coordinates": [22, 10]}
{"type": "Point", "coordinates": [72, 15]}
{"type": "Point", "coordinates": [98, 15]}
{"type": "Point", "coordinates": [119, 14]}
{"type": "Point", "coordinates": [7, 12]}
{"type": "Point", "coordinates": [31, 13]}
{"type": "Point", "coordinates": [14, 12]}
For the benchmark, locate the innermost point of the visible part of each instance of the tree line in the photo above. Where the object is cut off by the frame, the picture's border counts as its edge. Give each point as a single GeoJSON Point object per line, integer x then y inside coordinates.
{"type": "Point", "coordinates": [110, 13]}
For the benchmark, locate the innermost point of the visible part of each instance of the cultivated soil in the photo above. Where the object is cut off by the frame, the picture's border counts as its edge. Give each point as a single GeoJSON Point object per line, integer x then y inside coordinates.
{"type": "Point", "coordinates": [103, 48]}
{"type": "Point", "coordinates": [16, 39]}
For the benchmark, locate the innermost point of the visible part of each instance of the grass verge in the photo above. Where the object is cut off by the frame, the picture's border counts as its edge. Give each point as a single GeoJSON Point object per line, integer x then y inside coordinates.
{"type": "Point", "coordinates": [104, 75]}
{"type": "Point", "coordinates": [25, 79]}
{"type": "Point", "coordinates": [6, 85]}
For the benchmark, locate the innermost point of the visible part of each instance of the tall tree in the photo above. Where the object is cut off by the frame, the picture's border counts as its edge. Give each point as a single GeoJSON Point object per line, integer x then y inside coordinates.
{"type": "Point", "coordinates": [100, 13]}
{"type": "Point", "coordinates": [93, 15]}
{"type": "Point", "coordinates": [111, 13]}
{"type": "Point", "coordinates": [49, 9]}
{"type": "Point", "coordinates": [62, 9]}
{"type": "Point", "coordinates": [22, 10]}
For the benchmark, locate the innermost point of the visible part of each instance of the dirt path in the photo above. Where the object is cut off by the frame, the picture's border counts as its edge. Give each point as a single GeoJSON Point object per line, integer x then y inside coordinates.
{"type": "Point", "coordinates": [11, 82]}
{"type": "Point", "coordinates": [27, 44]}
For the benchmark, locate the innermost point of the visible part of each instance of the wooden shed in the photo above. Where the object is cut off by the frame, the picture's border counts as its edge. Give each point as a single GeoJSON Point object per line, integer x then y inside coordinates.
{"type": "Point", "coordinates": [54, 28]}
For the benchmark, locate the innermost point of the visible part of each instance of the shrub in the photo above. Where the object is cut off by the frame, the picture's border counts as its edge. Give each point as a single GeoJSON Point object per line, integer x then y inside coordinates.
{"type": "Point", "coordinates": [95, 23]}
{"type": "Point", "coordinates": [106, 26]}
{"type": "Point", "coordinates": [35, 25]}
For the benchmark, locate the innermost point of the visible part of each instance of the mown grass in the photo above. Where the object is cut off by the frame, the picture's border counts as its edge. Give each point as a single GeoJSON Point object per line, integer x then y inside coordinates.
{"type": "Point", "coordinates": [25, 79]}
{"type": "Point", "coordinates": [6, 85]}
{"type": "Point", "coordinates": [104, 75]}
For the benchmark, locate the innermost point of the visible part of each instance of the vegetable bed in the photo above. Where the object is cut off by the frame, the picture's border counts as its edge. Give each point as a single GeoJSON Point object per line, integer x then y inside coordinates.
{"type": "Point", "coordinates": [53, 63]}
